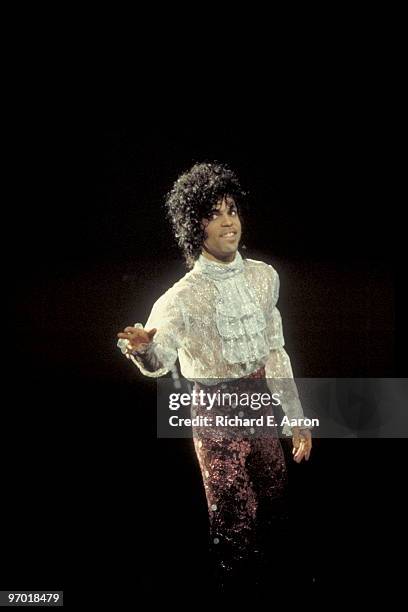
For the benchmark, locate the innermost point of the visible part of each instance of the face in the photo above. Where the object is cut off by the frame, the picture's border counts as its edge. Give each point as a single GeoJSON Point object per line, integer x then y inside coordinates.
{"type": "Point", "coordinates": [223, 231]}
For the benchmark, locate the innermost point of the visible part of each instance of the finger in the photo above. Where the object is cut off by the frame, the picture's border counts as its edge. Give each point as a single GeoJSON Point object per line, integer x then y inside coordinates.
{"type": "Point", "coordinates": [152, 332]}
{"type": "Point", "coordinates": [122, 335]}
{"type": "Point", "coordinates": [305, 452]}
{"type": "Point", "coordinates": [130, 329]}
{"type": "Point", "coordinates": [300, 454]}
{"type": "Point", "coordinates": [298, 458]}
{"type": "Point", "coordinates": [300, 450]}
{"type": "Point", "coordinates": [296, 455]}
{"type": "Point", "coordinates": [305, 448]}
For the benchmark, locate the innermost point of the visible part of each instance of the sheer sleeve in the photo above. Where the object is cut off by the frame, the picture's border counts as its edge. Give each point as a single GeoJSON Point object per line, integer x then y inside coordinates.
{"type": "Point", "coordinates": [278, 368]}
{"type": "Point", "coordinates": [159, 356]}
{"type": "Point", "coordinates": [273, 316]}
{"type": "Point", "coordinates": [279, 378]}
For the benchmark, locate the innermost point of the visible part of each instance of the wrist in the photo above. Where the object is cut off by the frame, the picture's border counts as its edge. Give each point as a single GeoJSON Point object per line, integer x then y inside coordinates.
{"type": "Point", "coordinates": [140, 349]}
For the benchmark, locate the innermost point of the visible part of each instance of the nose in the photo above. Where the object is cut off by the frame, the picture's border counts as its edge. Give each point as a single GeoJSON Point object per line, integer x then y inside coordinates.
{"type": "Point", "coordinates": [226, 220]}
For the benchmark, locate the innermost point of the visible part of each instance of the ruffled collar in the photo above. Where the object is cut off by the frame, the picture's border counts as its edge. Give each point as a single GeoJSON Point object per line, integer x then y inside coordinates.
{"type": "Point", "coordinates": [219, 271]}
{"type": "Point", "coordinates": [239, 319]}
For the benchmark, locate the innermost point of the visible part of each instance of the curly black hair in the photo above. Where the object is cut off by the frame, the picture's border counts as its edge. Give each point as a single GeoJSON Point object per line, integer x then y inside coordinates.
{"type": "Point", "coordinates": [193, 196]}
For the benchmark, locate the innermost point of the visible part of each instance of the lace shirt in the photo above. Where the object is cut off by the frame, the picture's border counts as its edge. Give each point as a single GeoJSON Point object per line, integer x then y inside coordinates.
{"type": "Point", "coordinates": [221, 321]}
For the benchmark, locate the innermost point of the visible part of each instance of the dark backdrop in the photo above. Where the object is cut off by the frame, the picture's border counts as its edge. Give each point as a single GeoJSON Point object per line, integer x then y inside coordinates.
{"type": "Point", "coordinates": [89, 250]}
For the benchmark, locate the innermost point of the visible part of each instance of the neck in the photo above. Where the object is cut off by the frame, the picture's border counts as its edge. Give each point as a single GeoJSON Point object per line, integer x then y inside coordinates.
{"type": "Point", "coordinates": [224, 260]}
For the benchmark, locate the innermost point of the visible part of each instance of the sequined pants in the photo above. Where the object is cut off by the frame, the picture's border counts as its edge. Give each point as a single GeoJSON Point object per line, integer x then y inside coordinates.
{"type": "Point", "coordinates": [245, 481]}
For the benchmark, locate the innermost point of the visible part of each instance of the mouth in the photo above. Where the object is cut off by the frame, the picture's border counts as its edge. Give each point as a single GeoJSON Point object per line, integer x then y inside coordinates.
{"type": "Point", "coordinates": [230, 234]}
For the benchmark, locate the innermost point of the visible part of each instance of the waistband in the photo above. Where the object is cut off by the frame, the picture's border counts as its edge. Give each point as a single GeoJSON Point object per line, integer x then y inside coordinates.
{"type": "Point", "coordinates": [257, 375]}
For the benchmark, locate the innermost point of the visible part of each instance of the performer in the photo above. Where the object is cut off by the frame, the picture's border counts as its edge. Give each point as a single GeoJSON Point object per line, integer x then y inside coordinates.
{"type": "Point", "coordinates": [222, 322]}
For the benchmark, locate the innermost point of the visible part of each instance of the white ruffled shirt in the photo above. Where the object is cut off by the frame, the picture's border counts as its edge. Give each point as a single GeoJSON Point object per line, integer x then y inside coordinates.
{"type": "Point", "coordinates": [221, 321]}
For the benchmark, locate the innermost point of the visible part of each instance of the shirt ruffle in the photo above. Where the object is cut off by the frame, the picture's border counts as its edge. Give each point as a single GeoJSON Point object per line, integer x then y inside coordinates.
{"type": "Point", "coordinates": [240, 322]}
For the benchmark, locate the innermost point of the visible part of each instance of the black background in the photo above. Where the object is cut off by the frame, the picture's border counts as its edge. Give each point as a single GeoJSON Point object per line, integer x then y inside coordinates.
{"type": "Point", "coordinates": [88, 491]}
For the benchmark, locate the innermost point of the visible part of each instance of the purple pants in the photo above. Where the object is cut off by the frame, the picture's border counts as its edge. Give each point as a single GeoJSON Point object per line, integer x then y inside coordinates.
{"type": "Point", "coordinates": [244, 475]}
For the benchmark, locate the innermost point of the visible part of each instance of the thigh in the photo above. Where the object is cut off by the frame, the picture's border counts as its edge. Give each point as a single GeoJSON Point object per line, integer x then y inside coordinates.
{"type": "Point", "coordinates": [227, 483]}
{"type": "Point", "coordinates": [266, 467]}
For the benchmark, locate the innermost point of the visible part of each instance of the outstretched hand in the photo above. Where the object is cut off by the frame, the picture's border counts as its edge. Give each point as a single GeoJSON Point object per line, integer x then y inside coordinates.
{"type": "Point", "coordinates": [137, 336]}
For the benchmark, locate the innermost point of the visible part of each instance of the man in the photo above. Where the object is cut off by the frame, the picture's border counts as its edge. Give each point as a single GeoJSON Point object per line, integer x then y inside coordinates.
{"type": "Point", "coordinates": [222, 322]}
